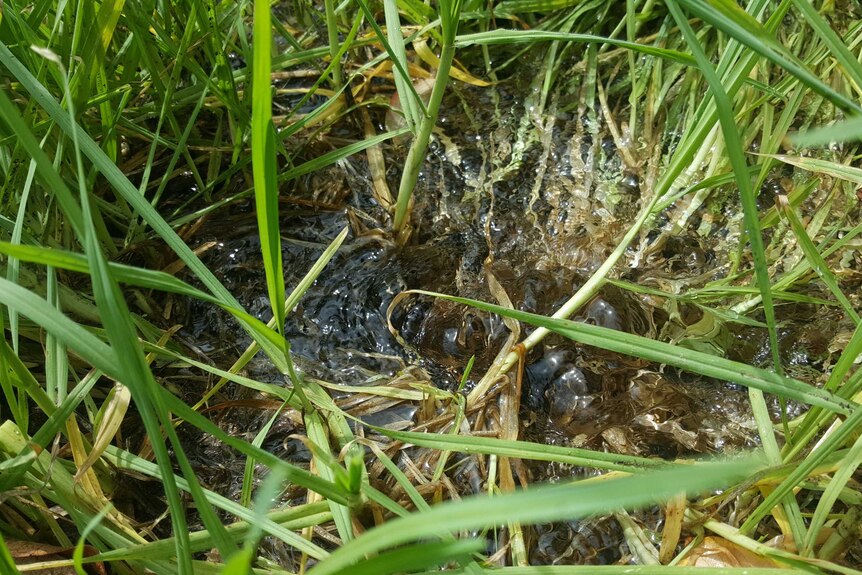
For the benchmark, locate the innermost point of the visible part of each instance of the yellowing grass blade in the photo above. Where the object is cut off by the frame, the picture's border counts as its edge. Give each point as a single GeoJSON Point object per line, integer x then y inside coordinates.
{"type": "Point", "coordinates": [817, 166]}
{"type": "Point", "coordinates": [108, 422]}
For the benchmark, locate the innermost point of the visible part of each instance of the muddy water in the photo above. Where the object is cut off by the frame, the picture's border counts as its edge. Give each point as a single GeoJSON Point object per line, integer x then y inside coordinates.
{"type": "Point", "coordinates": [536, 195]}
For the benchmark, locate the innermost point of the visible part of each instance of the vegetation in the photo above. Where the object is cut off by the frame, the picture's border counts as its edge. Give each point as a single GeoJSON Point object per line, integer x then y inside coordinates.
{"type": "Point", "coordinates": [108, 109]}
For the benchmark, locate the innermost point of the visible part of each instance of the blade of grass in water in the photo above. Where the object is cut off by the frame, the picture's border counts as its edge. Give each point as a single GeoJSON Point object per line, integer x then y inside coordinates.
{"type": "Point", "coordinates": [248, 473]}
{"type": "Point", "coordinates": [331, 157]}
{"type": "Point", "coordinates": [819, 166]}
{"type": "Point", "coordinates": [267, 493]}
{"type": "Point", "coordinates": [336, 101]}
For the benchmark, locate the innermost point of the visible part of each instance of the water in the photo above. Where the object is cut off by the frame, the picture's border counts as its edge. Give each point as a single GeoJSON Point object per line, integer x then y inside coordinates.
{"type": "Point", "coordinates": [539, 204]}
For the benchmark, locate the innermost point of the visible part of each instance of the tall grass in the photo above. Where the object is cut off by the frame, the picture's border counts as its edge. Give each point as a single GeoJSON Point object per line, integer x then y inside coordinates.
{"type": "Point", "coordinates": [106, 104]}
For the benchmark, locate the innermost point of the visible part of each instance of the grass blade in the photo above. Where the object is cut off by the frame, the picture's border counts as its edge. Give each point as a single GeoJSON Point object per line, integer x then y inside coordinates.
{"type": "Point", "coordinates": [539, 504]}
{"type": "Point", "coordinates": [495, 37]}
{"type": "Point", "coordinates": [523, 450]}
{"type": "Point", "coordinates": [728, 17]}
{"type": "Point", "coordinates": [845, 131]}
{"type": "Point", "coordinates": [815, 260]}
{"type": "Point", "coordinates": [330, 158]}
{"type": "Point", "coordinates": [411, 104]}
{"type": "Point", "coordinates": [849, 64]}
{"type": "Point", "coordinates": [263, 162]}
{"type": "Point", "coordinates": [733, 143]}
{"type": "Point", "coordinates": [419, 556]}
{"type": "Point", "coordinates": [843, 474]}
{"type": "Point", "coordinates": [414, 107]}
{"type": "Point", "coordinates": [450, 13]}
{"type": "Point", "coordinates": [107, 424]}
{"type": "Point", "coordinates": [659, 352]}
{"type": "Point", "coordinates": [818, 166]}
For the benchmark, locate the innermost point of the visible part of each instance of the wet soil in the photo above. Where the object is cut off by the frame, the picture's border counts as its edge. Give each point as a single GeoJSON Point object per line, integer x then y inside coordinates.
{"type": "Point", "coordinates": [535, 196]}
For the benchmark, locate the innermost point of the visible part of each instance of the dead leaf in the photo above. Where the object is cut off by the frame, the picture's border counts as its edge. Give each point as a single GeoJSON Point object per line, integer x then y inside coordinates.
{"type": "Point", "coordinates": [719, 552]}
{"type": "Point", "coordinates": [432, 60]}
{"type": "Point", "coordinates": [31, 552]}
{"type": "Point", "coordinates": [107, 424]}
{"type": "Point", "coordinates": [674, 512]}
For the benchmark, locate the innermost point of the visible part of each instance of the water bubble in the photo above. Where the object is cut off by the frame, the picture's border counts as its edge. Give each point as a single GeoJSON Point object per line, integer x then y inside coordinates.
{"type": "Point", "coordinates": [603, 314]}
{"type": "Point", "coordinates": [554, 372]}
{"type": "Point", "coordinates": [567, 393]}
{"type": "Point", "coordinates": [630, 183]}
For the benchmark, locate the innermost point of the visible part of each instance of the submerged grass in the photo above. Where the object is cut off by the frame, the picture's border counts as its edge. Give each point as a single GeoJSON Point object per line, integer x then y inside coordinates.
{"type": "Point", "coordinates": [100, 122]}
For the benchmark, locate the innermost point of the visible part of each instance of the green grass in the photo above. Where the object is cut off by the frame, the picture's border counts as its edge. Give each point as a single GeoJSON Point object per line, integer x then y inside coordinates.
{"type": "Point", "coordinates": [106, 106]}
